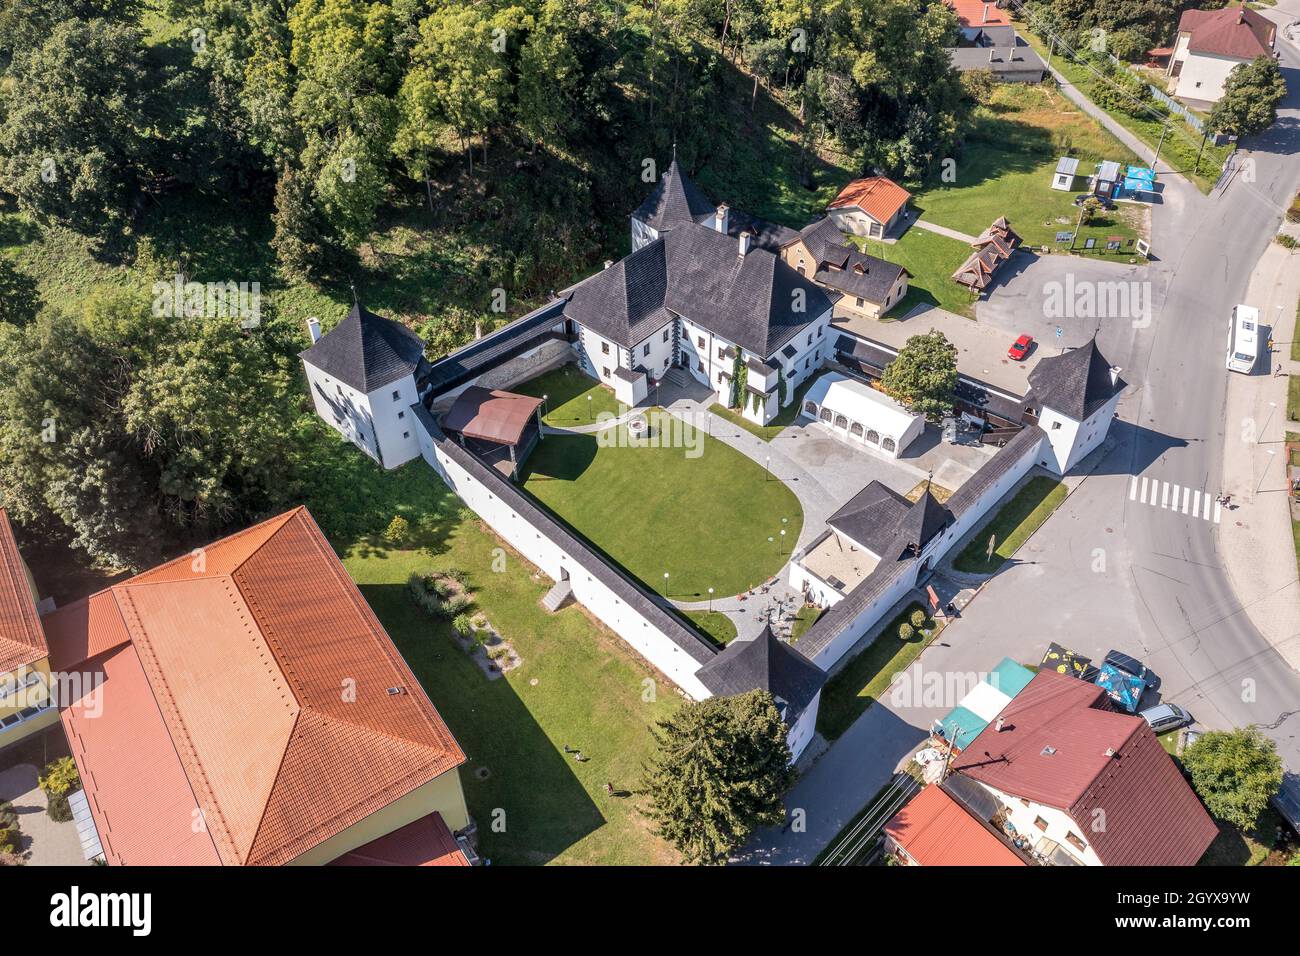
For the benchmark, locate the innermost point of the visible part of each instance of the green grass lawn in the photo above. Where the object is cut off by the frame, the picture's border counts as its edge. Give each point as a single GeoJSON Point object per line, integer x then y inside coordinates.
{"type": "Point", "coordinates": [717, 625]}
{"type": "Point", "coordinates": [931, 259]}
{"type": "Point", "coordinates": [1180, 146]}
{"type": "Point", "coordinates": [1293, 397]}
{"type": "Point", "coordinates": [781, 420]}
{"type": "Point", "coordinates": [704, 520]}
{"type": "Point", "coordinates": [577, 685]}
{"type": "Point", "coordinates": [1295, 336]}
{"type": "Point", "coordinates": [804, 619]}
{"type": "Point", "coordinates": [572, 396]}
{"type": "Point", "coordinates": [862, 681]}
{"type": "Point", "coordinates": [1236, 847]}
{"type": "Point", "coordinates": [1012, 525]}
{"type": "Point", "coordinates": [1005, 169]}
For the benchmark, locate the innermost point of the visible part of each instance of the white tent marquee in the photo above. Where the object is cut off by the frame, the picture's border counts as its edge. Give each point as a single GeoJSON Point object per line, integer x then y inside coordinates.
{"type": "Point", "coordinates": [860, 414]}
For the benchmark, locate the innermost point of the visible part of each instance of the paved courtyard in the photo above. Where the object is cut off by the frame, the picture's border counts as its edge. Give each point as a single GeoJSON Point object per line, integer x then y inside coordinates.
{"type": "Point", "coordinates": [47, 843]}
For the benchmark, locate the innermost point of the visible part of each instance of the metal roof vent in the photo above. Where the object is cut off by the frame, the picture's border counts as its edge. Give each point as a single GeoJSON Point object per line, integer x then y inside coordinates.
{"type": "Point", "coordinates": [1048, 750]}
{"type": "Point", "coordinates": [396, 691]}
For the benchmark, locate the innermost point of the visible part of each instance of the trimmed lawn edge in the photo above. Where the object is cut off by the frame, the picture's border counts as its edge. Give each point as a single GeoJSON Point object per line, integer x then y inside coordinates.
{"type": "Point", "coordinates": [1013, 525]}
{"type": "Point", "coordinates": [855, 687]}
{"type": "Point", "coordinates": [714, 624]}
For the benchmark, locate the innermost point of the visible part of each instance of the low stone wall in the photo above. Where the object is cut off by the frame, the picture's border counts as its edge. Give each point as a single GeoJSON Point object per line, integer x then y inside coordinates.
{"type": "Point", "coordinates": [550, 355]}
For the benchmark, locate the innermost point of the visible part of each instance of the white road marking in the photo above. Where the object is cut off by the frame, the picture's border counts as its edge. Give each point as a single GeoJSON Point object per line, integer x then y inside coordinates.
{"type": "Point", "coordinates": [1217, 509]}
{"type": "Point", "coordinates": [1166, 494]}
{"type": "Point", "coordinates": [1144, 489]}
{"type": "Point", "coordinates": [1206, 516]}
{"type": "Point", "coordinates": [1187, 497]}
{"type": "Point", "coordinates": [1196, 504]}
{"type": "Point", "coordinates": [1164, 497]}
{"type": "Point", "coordinates": [1133, 489]}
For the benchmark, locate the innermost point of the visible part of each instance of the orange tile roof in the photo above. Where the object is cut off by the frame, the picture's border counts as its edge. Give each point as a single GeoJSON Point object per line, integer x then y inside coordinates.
{"type": "Point", "coordinates": [271, 676]}
{"type": "Point", "coordinates": [422, 842]}
{"type": "Point", "coordinates": [979, 13]}
{"type": "Point", "coordinates": [935, 830]}
{"type": "Point", "coordinates": [877, 196]}
{"type": "Point", "coordinates": [21, 639]}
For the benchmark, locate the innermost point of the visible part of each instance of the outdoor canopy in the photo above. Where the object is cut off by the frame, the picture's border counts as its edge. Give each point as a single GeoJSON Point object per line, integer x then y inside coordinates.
{"type": "Point", "coordinates": [491, 415]}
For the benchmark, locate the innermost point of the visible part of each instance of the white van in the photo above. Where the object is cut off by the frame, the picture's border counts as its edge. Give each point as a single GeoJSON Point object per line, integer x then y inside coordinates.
{"type": "Point", "coordinates": [1243, 339]}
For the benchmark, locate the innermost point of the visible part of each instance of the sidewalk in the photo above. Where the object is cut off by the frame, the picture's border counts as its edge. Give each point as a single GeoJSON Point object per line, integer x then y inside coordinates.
{"type": "Point", "coordinates": [945, 231]}
{"type": "Point", "coordinates": [1255, 542]}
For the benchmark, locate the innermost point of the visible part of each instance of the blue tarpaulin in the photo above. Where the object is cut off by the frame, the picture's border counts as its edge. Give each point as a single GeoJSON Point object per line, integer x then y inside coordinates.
{"type": "Point", "coordinates": [1139, 179]}
{"type": "Point", "coordinates": [1124, 689]}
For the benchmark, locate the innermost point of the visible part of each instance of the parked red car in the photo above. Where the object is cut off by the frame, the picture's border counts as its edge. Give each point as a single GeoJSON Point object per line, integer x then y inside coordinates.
{"type": "Point", "coordinates": [1020, 348]}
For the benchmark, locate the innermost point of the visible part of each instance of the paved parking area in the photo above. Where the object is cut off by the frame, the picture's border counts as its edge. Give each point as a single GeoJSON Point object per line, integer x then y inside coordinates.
{"type": "Point", "coordinates": [981, 349]}
{"type": "Point", "coordinates": [47, 843]}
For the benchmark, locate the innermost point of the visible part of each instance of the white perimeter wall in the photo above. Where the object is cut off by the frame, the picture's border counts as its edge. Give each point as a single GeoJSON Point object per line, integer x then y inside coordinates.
{"type": "Point", "coordinates": [347, 411]}
{"type": "Point", "coordinates": [650, 642]}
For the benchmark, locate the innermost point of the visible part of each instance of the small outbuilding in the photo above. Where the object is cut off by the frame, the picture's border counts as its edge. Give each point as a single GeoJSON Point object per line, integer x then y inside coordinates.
{"type": "Point", "coordinates": [1106, 181]}
{"type": "Point", "coordinates": [860, 414]}
{"type": "Point", "coordinates": [500, 427]}
{"type": "Point", "coordinates": [1067, 167]}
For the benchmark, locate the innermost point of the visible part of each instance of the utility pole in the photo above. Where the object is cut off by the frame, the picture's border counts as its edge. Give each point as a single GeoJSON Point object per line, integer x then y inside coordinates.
{"type": "Point", "coordinates": [947, 759]}
{"type": "Point", "coordinates": [1163, 130]}
{"type": "Point", "coordinates": [1050, 50]}
{"type": "Point", "coordinates": [1205, 134]}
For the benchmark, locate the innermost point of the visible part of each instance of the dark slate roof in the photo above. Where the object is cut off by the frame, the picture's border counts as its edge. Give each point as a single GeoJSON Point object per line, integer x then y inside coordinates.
{"type": "Point", "coordinates": [624, 587]}
{"type": "Point", "coordinates": [845, 268]}
{"type": "Point", "coordinates": [1075, 384]}
{"type": "Point", "coordinates": [696, 272]}
{"type": "Point", "coordinates": [999, 59]}
{"type": "Point", "coordinates": [865, 353]}
{"type": "Point", "coordinates": [992, 470]}
{"type": "Point", "coordinates": [922, 521]}
{"type": "Point", "coordinates": [843, 613]}
{"type": "Point", "coordinates": [481, 355]}
{"type": "Point", "coordinates": [674, 199]}
{"type": "Point", "coordinates": [366, 351]}
{"type": "Point", "coordinates": [870, 516]}
{"type": "Point", "coordinates": [768, 664]}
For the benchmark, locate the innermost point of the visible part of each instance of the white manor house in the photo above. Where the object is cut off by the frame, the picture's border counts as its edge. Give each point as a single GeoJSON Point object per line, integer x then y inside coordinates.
{"type": "Point", "coordinates": [712, 293]}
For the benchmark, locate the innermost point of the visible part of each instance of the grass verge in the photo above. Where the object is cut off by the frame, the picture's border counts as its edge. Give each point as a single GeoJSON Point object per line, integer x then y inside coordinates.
{"type": "Point", "coordinates": [1012, 525]}
{"type": "Point", "coordinates": [859, 684]}
{"type": "Point", "coordinates": [715, 624]}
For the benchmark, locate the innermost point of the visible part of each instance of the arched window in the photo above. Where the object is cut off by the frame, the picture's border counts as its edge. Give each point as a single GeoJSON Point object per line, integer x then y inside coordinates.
{"type": "Point", "coordinates": [841, 421]}
{"type": "Point", "coordinates": [888, 444]}
{"type": "Point", "coordinates": [826, 414]}
{"type": "Point", "coordinates": [873, 436]}
{"type": "Point", "coordinates": [855, 429]}
{"type": "Point", "coordinates": [810, 408]}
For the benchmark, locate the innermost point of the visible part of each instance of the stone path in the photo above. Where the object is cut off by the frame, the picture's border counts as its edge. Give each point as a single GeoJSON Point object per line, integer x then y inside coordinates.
{"type": "Point", "coordinates": [944, 231]}
{"type": "Point", "coordinates": [47, 843]}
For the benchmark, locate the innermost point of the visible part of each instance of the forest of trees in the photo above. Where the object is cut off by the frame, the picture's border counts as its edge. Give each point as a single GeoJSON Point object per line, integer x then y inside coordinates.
{"type": "Point", "coordinates": [306, 123]}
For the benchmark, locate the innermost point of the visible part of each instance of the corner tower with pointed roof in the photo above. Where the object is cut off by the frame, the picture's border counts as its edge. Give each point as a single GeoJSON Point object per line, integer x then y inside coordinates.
{"type": "Point", "coordinates": [1079, 392]}
{"type": "Point", "coordinates": [674, 200]}
{"type": "Point", "coordinates": [365, 374]}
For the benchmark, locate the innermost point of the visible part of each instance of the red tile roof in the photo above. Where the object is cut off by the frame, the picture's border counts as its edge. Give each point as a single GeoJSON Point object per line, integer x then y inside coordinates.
{"type": "Point", "coordinates": [422, 842]}
{"type": "Point", "coordinates": [1232, 31]}
{"type": "Point", "coordinates": [877, 196]}
{"type": "Point", "coordinates": [270, 678]}
{"type": "Point", "coordinates": [936, 830]}
{"type": "Point", "coordinates": [1062, 745]}
{"type": "Point", "coordinates": [979, 13]}
{"type": "Point", "coordinates": [21, 639]}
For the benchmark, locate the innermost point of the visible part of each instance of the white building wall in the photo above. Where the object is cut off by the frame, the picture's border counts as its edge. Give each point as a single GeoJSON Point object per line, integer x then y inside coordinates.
{"type": "Point", "coordinates": [654, 353]}
{"type": "Point", "coordinates": [866, 619]}
{"type": "Point", "coordinates": [818, 591]}
{"type": "Point", "coordinates": [1071, 441]}
{"type": "Point", "coordinates": [600, 355]}
{"type": "Point", "coordinates": [1058, 822]}
{"type": "Point", "coordinates": [801, 734]}
{"type": "Point", "coordinates": [394, 423]}
{"type": "Point", "coordinates": [343, 408]}
{"type": "Point", "coordinates": [1204, 74]}
{"type": "Point", "coordinates": [642, 235]}
{"type": "Point", "coordinates": [650, 642]}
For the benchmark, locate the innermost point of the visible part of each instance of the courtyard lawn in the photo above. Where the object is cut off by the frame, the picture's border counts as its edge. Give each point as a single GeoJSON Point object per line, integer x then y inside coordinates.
{"type": "Point", "coordinates": [931, 259]}
{"type": "Point", "coordinates": [578, 685]}
{"type": "Point", "coordinates": [1012, 525]}
{"type": "Point", "coordinates": [572, 397]}
{"type": "Point", "coordinates": [862, 681]}
{"type": "Point", "coordinates": [702, 514]}
{"type": "Point", "coordinates": [1005, 169]}
{"type": "Point", "coordinates": [784, 418]}
{"type": "Point", "coordinates": [805, 618]}
{"type": "Point", "coordinates": [715, 624]}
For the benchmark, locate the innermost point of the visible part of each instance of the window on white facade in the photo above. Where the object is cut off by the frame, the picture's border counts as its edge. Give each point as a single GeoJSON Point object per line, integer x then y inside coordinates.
{"type": "Point", "coordinates": [645, 350]}
{"type": "Point", "coordinates": [665, 335]}
{"type": "Point", "coordinates": [604, 348]}
{"type": "Point", "coordinates": [699, 340]}
{"type": "Point", "coordinates": [397, 395]}
{"type": "Point", "coordinates": [1055, 425]}
{"type": "Point", "coordinates": [401, 415]}
{"type": "Point", "coordinates": [858, 300]}
{"type": "Point", "coordinates": [406, 434]}
{"type": "Point", "coordinates": [604, 373]}
{"type": "Point", "coordinates": [722, 353]}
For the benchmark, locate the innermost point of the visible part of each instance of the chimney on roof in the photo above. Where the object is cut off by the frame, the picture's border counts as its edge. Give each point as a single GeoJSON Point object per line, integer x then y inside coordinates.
{"type": "Point", "coordinates": [1114, 374]}
{"type": "Point", "coordinates": [478, 329]}
{"type": "Point", "coordinates": [997, 727]}
{"type": "Point", "coordinates": [993, 51]}
{"type": "Point", "coordinates": [720, 219]}
{"type": "Point", "coordinates": [746, 237]}
{"type": "Point", "coordinates": [986, 13]}
{"type": "Point", "coordinates": [608, 263]}
{"type": "Point", "coordinates": [313, 328]}
{"type": "Point", "coordinates": [1110, 752]}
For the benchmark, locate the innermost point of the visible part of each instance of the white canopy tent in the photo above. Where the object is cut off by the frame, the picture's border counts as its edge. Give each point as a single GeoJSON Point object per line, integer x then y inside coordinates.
{"type": "Point", "coordinates": [855, 411]}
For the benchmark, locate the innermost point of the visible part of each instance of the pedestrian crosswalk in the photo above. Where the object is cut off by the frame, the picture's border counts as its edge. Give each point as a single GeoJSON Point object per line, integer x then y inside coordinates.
{"type": "Point", "coordinates": [1179, 499]}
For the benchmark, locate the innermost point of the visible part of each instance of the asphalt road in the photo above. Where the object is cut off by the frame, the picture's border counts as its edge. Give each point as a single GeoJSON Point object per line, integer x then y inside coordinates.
{"type": "Point", "coordinates": [1107, 571]}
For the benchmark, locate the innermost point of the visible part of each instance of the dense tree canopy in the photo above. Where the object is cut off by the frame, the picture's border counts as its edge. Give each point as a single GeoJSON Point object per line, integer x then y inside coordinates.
{"type": "Point", "coordinates": [1236, 773]}
{"type": "Point", "coordinates": [721, 769]}
{"type": "Point", "coordinates": [924, 374]}
{"type": "Point", "coordinates": [1250, 97]}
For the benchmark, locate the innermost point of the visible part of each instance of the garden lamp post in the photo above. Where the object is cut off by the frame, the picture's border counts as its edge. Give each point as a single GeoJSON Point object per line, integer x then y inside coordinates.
{"type": "Point", "coordinates": [665, 584]}
{"type": "Point", "coordinates": [767, 468]}
{"type": "Point", "coordinates": [783, 542]}
{"type": "Point", "coordinates": [710, 600]}
{"type": "Point", "coordinates": [589, 418]}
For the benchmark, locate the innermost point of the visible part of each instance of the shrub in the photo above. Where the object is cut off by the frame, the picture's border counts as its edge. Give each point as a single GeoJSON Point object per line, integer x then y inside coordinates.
{"type": "Point", "coordinates": [455, 606]}
{"type": "Point", "coordinates": [1285, 241]}
{"type": "Point", "coordinates": [462, 625]}
{"type": "Point", "coordinates": [905, 631]}
{"type": "Point", "coordinates": [918, 619]}
{"type": "Point", "coordinates": [398, 530]}
{"type": "Point", "coordinates": [60, 777]}
{"type": "Point", "coordinates": [9, 841]}
{"type": "Point", "coordinates": [59, 809]}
